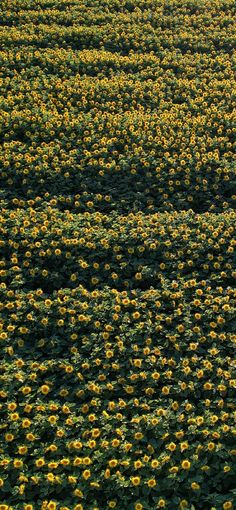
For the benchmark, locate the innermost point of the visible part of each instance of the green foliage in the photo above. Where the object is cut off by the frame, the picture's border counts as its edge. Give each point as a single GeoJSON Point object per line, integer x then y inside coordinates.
{"type": "Point", "coordinates": [117, 236]}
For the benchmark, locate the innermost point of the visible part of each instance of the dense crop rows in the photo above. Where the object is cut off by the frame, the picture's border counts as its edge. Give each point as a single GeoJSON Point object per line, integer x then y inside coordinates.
{"type": "Point", "coordinates": [49, 249]}
{"type": "Point", "coordinates": [143, 113]}
{"type": "Point", "coordinates": [117, 266]}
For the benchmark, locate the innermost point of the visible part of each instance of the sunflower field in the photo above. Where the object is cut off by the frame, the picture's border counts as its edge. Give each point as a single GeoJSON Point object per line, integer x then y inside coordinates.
{"type": "Point", "coordinates": [117, 261]}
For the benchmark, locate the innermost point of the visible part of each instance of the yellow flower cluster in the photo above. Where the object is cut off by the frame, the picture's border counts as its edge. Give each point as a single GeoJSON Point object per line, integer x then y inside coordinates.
{"type": "Point", "coordinates": [139, 391]}
{"type": "Point", "coordinates": [135, 110]}
{"type": "Point", "coordinates": [117, 267]}
{"type": "Point", "coordinates": [47, 248]}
